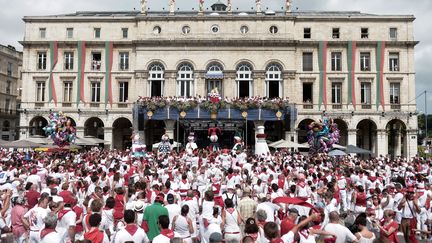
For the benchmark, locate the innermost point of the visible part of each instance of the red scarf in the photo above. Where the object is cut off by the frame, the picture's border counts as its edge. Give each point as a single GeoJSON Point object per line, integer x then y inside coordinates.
{"type": "Point", "coordinates": [62, 213]}
{"type": "Point", "coordinates": [278, 240]}
{"type": "Point", "coordinates": [45, 232]}
{"type": "Point", "coordinates": [188, 199]}
{"type": "Point", "coordinates": [167, 233]}
{"type": "Point", "coordinates": [281, 183]}
{"type": "Point", "coordinates": [95, 236]}
{"type": "Point", "coordinates": [131, 229]}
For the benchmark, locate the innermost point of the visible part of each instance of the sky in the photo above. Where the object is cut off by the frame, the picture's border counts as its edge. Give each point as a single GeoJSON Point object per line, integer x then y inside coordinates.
{"type": "Point", "coordinates": [12, 26]}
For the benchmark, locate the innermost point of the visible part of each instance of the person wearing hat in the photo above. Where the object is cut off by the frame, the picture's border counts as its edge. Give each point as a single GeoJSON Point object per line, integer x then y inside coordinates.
{"type": "Point", "coordinates": [191, 145]}
{"type": "Point", "coordinates": [409, 207]}
{"type": "Point", "coordinates": [230, 194]}
{"type": "Point", "coordinates": [172, 207]}
{"type": "Point", "coordinates": [151, 216]}
{"type": "Point", "coordinates": [237, 143]}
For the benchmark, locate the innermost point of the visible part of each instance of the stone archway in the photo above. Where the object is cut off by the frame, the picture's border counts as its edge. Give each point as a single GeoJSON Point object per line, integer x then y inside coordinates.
{"type": "Point", "coordinates": [343, 131]}
{"type": "Point", "coordinates": [303, 129]}
{"type": "Point", "coordinates": [397, 138]}
{"type": "Point", "coordinates": [94, 127]}
{"type": "Point", "coordinates": [122, 132]}
{"type": "Point", "coordinates": [367, 135]}
{"type": "Point", "coordinates": [36, 126]}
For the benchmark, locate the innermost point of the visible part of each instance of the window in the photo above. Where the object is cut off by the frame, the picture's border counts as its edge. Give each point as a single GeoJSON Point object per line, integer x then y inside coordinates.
{"type": "Point", "coordinates": [274, 81]}
{"type": "Point", "coordinates": [394, 61]}
{"type": "Point", "coordinates": [186, 29]}
{"type": "Point", "coordinates": [9, 69]}
{"type": "Point", "coordinates": [97, 33]}
{"type": "Point", "coordinates": [244, 81]}
{"type": "Point", "coordinates": [307, 93]}
{"type": "Point", "coordinates": [40, 91]}
{"type": "Point", "coordinates": [42, 59]}
{"type": "Point", "coordinates": [365, 89]}
{"type": "Point", "coordinates": [185, 80]}
{"type": "Point", "coordinates": [157, 30]}
{"type": "Point", "coordinates": [307, 61]}
{"type": "Point", "coordinates": [307, 34]}
{"type": "Point", "coordinates": [95, 92]}
{"type": "Point", "coordinates": [96, 61]}
{"type": "Point", "coordinates": [69, 60]}
{"type": "Point", "coordinates": [67, 92]}
{"type": "Point", "coordinates": [125, 33]}
{"type": "Point", "coordinates": [42, 33]}
{"type": "Point", "coordinates": [365, 61]}
{"type": "Point", "coordinates": [7, 105]}
{"type": "Point", "coordinates": [69, 33]}
{"type": "Point", "coordinates": [124, 91]}
{"type": "Point", "coordinates": [393, 33]}
{"type": "Point", "coordinates": [6, 127]}
{"type": "Point", "coordinates": [8, 87]}
{"type": "Point", "coordinates": [214, 77]}
{"type": "Point", "coordinates": [124, 60]}
{"type": "Point", "coordinates": [156, 80]}
{"type": "Point", "coordinates": [364, 33]}
{"type": "Point", "coordinates": [244, 29]}
{"type": "Point", "coordinates": [273, 29]}
{"type": "Point", "coordinates": [215, 28]}
{"type": "Point", "coordinates": [336, 93]}
{"type": "Point", "coordinates": [395, 93]}
{"type": "Point", "coordinates": [336, 58]}
{"type": "Point", "coordinates": [335, 33]}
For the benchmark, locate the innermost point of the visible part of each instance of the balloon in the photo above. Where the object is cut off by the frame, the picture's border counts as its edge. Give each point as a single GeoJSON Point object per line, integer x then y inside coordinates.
{"type": "Point", "coordinates": [60, 129]}
{"type": "Point", "coordinates": [322, 136]}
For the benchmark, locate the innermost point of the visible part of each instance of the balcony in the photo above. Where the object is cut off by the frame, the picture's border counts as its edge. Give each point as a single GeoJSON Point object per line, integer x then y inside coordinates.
{"type": "Point", "coordinates": [366, 106]}
{"type": "Point", "coordinates": [395, 106]}
{"type": "Point", "coordinates": [94, 105]}
{"type": "Point", "coordinates": [337, 106]}
{"type": "Point", "coordinates": [67, 104]}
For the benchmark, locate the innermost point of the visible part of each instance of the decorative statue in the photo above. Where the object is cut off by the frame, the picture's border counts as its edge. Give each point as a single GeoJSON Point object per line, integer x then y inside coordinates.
{"type": "Point", "coordinates": [143, 6]}
{"type": "Point", "coordinates": [171, 6]}
{"type": "Point", "coordinates": [201, 5]}
{"type": "Point", "coordinates": [191, 145]}
{"type": "Point", "coordinates": [229, 6]}
{"type": "Point", "coordinates": [258, 6]}
{"type": "Point", "coordinates": [288, 5]}
{"type": "Point", "coordinates": [214, 95]}
{"type": "Point", "coordinates": [238, 144]}
{"type": "Point", "coordinates": [213, 133]}
{"type": "Point", "coordinates": [165, 145]}
{"type": "Point", "coordinates": [138, 147]}
{"type": "Point", "coordinates": [322, 135]}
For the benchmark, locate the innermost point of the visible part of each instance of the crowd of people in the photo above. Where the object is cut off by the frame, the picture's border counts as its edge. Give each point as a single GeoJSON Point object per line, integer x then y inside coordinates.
{"type": "Point", "coordinates": [103, 196]}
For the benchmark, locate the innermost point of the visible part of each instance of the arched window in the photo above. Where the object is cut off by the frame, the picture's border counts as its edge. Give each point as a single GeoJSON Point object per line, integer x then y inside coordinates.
{"type": "Point", "coordinates": [156, 80]}
{"type": "Point", "coordinates": [274, 81]}
{"type": "Point", "coordinates": [214, 78]}
{"type": "Point", "coordinates": [244, 80]}
{"type": "Point", "coordinates": [185, 80]}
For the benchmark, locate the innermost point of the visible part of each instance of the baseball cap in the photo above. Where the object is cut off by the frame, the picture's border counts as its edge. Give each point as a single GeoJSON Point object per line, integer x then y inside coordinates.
{"type": "Point", "coordinates": [215, 237]}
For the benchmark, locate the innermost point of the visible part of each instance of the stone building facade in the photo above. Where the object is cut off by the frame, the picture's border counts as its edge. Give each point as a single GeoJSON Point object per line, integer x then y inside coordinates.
{"type": "Point", "coordinates": [10, 67]}
{"type": "Point", "coordinates": [323, 61]}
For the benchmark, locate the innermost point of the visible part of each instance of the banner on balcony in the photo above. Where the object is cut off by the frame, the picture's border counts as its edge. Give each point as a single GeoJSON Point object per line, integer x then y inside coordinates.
{"type": "Point", "coordinates": [53, 61]}
{"type": "Point", "coordinates": [380, 55]}
{"type": "Point", "coordinates": [81, 69]}
{"type": "Point", "coordinates": [108, 69]}
{"type": "Point", "coordinates": [352, 46]}
{"type": "Point", "coordinates": [322, 61]}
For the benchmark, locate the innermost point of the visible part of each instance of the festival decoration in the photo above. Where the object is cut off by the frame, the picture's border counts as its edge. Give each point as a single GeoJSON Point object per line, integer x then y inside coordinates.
{"type": "Point", "coordinates": [165, 145]}
{"type": "Point", "coordinates": [322, 135]}
{"type": "Point", "coordinates": [238, 143]}
{"type": "Point", "coordinates": [213, 133]}
{"type": "Point", "coordinates": [60, 129]}
{"type": "Point", "coordinates": [138, 147]}
{"type": "Point", "coordinates": [191, 145]}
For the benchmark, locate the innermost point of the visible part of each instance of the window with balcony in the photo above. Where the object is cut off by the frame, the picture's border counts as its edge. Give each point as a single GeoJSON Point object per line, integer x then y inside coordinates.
{"type": "Point", "coordinates": [156, 80]}
{"type": "Point", "coordinates": [68, 60]}
{"type": "Point", "coordinates": [42, 61]}
{"type": "Point", "coordinates": [307, 33]}
{"type": "Point", "coordinates": [96, 61]}
{"type": "Point", "coordinates": [394, 61]}
{"type": "Point", "coordinates": [185, 80]}
{"type": "Point", "coordinates": [336, 33]}
{"type": "Point", "coordinates": [394, 95]}
{"type": "Point", "coordinates": [124, 61]}
{"type": "Point", "coordinates": [365, 95]}
{"type": "Point", "coordinates": [307, 61]}
{"type": "Point", "coordinates": [365, 61]}
{"type": "Point", "coordinates": [336, 59]}
{"type": "Point", "coordinates": [364, 33]}
{"type": "Point", "coordinates": [7, 106]}
{"type": "Point", "coordinates": [42, 33]}
{"type": "Point", "coordinates": [95, 92]}
{"type": "Point", "coordinates": [123, 92]}
{"type": "Point", "coordinates": [125, 33]}
{"type": "Point", "coordinates": [69, 33]}
{"type": "Point", "coordinates": [8, 87]}
{"type": "Point", "coordinates": [214, 77]}
{"type": "Point", "coordinates": [337, 95]}
{"type": "Point", "coordinates": [244, 81]}
{"type": "Point", "coordinates": [40, 91]}
{"type": "Point", "coordinates": [274, 81]}
{"type": "Point", "coordinates": [307, 95]}
{"type": "Point", "coordinates": [67, 91]}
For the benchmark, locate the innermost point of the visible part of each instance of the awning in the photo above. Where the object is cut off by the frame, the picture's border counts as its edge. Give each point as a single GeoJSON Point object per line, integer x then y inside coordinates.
{"type": "Point", "coordinates": [214, 75]}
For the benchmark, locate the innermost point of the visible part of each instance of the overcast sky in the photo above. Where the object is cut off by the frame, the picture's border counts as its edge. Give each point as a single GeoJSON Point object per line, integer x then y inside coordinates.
{"type": "Point", "coordinates": [12, 11]}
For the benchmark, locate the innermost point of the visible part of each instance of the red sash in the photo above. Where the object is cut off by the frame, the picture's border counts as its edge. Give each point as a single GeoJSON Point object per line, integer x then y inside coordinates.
{"type": "Point", "coordinates": [131, 229]}
{"type": "Point", "coordinates": [62, 213]}
{"type": "Point", "coordinates": [45, 232]}
{"type": "Point", "coordinates": [167, 233]}
{"type": "Point", "coordinates": [95, 236]}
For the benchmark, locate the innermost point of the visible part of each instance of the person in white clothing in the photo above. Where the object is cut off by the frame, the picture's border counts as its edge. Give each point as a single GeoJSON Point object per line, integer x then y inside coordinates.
{"type": "Point", "coordinates": [66, 220]}
{"type": "Point", "coordinates": [34, 218]}
{"type": "Point", "coordinates": [172, 207]}
{"type": "Point", "coordinates": [49, 234]}
{"type": "Point", "coordinates": [182, 225]}
{"type": "Point", "coordinates": [131, 232]}
{"type": "Point", "coordinates": [343, 234]}
{"type": "Point", "coordinates": [166, 235]}
{"type": "Point", "coordinates": [230, 221]}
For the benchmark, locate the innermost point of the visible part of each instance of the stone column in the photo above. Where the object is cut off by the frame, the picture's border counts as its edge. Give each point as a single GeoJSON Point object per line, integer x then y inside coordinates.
{"type": "Point", "coordinates": [80, 132]}
{"type": "Point", "coordinates": [259, 85]}
{"type": "Point", "coordinates": [411, 143]}
{"type": "Point", "coordinates": [382, 142]}
{"type": "Point", "coordinates": [170, 85]}
{"type": "Point", "coordinates": [398, 144]}
{"type": "Point", "coordinates": [291, 136]}
{"type": "Point", "coordinates": [352, 137]}
{"type": "Point", "coordinates": [169, 128]}
{"type": "Point", "coordinates": [108, 136]}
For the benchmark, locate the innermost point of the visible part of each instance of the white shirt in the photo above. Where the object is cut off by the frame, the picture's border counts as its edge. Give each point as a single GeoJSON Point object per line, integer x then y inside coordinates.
{"type": "Point", "coordinates": [68, 220]}
{"type": "Point", "coordinates": [35, 217]}
{"type": "Point", "coordinates": [162, 238]}
{"type": "Point", "coordinates": [343, 234]}
{"type": "Point", "coordinates": [173, 210]}
{"type": "Point", "coordinates": [51, 238]}
{"type": "Point", "coordinates": [270, 209]}
{"type": "Point", "coordinates": [139, 237]}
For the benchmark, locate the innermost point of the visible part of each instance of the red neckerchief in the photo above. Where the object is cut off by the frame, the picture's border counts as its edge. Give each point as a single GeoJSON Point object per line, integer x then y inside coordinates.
{"type": "Point", "coordinates": [184, 181]}
{"type": "Point", "coordinates": [302, 184]}
{"type": "Point", "coordinates": [254, 236]}
{"type": "Point", "coordinates": [230, 176]}
{"type": "Point", "coordinates": [304, 233]}
{"type": "Point", "coordinates": [131, 229]}
{"type": "Point", "coordinates": [167, 233]}
{"type": "Point", "coordinates": [230, 210]}
{"type": "Point", "coordinates": [278, 240]}
{"type": "Point", "coordinates": [372, 178]}
{"type": "Point", "coordinates": [94, 235]}
{"type": "Point", "coordinates": [281, 183]}
{"type": "Point", "coordinates": [188, 199]}
{"type": "Point", "coordinates": [62, 213]}
{"type": "Point", "coordinates": [45, 232]}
